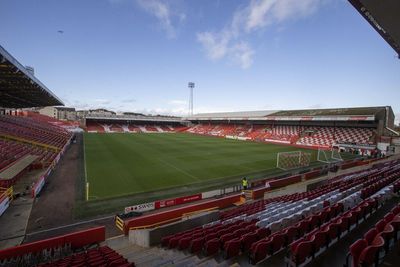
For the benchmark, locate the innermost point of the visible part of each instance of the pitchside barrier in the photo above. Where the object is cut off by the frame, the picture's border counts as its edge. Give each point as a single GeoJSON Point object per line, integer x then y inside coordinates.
{"type": "Point", "coordinates": [181, 200]}
{"type": "Point", "coordinates": [39, 184]}
{"type": "Point", "coordinates": [176, 214]}
{"type": "Point", "coordinates": [259, 187]}
{"type": "Point", "coordinates": [73, 240]}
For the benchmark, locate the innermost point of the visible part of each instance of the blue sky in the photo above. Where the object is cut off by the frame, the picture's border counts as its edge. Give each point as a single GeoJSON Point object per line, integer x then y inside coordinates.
{"type": "Point", "coordinates": [138, 55]}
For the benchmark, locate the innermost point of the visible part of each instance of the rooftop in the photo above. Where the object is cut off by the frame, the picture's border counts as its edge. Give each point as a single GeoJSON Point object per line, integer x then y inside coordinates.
{"type": "Point", "coordinates": [19, 88]}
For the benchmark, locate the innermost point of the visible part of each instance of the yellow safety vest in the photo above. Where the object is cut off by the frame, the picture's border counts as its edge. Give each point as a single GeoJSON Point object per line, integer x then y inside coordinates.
{"type": "Point", "coordinates": [244, 182]}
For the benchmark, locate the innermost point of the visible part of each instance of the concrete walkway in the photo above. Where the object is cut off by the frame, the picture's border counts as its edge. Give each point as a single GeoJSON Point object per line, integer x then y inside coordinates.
{"type": "Point", "coordinates": [14, 221]}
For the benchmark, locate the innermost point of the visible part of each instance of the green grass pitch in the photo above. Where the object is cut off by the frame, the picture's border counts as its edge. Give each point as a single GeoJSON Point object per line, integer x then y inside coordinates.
{"type": "Point", "coordinates": [123, 164]}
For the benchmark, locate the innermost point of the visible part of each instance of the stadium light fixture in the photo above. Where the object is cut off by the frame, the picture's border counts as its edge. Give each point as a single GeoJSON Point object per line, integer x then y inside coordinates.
{"type": "Point", "coordinates": [191, 86]}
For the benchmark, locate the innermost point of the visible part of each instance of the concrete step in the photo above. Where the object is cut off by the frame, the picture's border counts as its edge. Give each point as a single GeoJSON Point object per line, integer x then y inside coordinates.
{"type": "Point", "coordinates": [163, 263]}
{"type": "Point", "coordinates": [142, 255]}
{"type": "Point", "coordinates": [117, 242]}
{"type": "Point", "coordinates": [148, 261]}
{"type": "Point", "coordinates": [208, 263]}
{"type": "Point", "coordinates": [132, 250]}
{"type": "Point", "coordinates": [191, 260]}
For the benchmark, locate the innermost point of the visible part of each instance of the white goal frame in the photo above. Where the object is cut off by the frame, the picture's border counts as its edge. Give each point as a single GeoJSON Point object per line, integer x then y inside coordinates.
{"type": "Point", "coordinates": [323, 155]}
{"type": "Point", "coordinates": [336, 154]}
{"type": "Point", "coordinates": [303, 160]}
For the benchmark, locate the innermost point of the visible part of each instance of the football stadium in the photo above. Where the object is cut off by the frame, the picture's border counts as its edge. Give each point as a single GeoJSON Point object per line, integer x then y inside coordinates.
{"type": "Point", "coordinates": [89, 186]}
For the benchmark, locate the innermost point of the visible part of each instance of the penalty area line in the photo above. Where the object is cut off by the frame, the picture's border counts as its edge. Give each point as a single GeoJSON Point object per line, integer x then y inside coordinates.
{"type": "Point", "coordinates": [178, 169]}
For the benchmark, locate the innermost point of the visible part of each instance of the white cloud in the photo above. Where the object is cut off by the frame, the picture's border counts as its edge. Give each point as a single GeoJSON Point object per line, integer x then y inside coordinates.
{"type": "Point", "coordinates": [162, 11]}
{"type": "Point", "coordinates": [182, 17]}
{"type": "Point", "coordinates": [216, 45]}
{"type": "Point", "coordinates": [230, 42]}
{"type": "Point", "coordinates": [242, 55]}
{"type": "Point", "coordinates": [255, 14]}
{"type": "Point", "coordinates": [219, 46]}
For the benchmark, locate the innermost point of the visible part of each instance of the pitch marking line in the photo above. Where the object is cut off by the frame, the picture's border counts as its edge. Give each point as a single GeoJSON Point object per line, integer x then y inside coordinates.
{"type": "Point", "coordinates": [178, 169]}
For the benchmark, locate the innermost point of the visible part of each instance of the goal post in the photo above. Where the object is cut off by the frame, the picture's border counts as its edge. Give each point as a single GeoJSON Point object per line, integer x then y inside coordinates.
{"type": "Point", "coordinates": [323, 156]}
{"type": "Point", "coordinates": [292, 160]}
{"type": "Point", "coordinates": [329, 156]}
{"type": "Point", "coordinates": [336, 154]}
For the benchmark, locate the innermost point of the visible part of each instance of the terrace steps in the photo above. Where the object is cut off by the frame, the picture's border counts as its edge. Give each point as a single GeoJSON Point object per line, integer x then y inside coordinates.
{"type": "Point", "coordinates": [158, 256]}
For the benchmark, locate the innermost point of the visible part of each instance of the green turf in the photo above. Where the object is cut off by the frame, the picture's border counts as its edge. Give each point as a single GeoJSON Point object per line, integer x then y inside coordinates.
{"type": "Point", "coordinates": [125, 164]}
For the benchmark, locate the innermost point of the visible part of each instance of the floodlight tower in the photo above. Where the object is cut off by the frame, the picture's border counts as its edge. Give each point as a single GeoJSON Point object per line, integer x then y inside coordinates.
{"type": "Point", "coordinates": [191, 86]}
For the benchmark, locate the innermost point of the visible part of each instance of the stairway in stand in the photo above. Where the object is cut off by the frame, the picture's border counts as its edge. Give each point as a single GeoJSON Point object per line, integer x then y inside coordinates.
{"type": "Point", "coordinates": [158, 256]}
{"type": "Point", "coordinates": [294, 139]}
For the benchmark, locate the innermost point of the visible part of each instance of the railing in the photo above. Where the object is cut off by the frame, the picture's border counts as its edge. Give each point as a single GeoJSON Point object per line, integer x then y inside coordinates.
{"type": "Point", "coordinates": [30, 254]}
{"type": "Point", "coordinates": [6, 192]}
{"type": "Point", "coordinates": [155, 224]}
{"type": "Point", "coordinates": [187, 215]}
{"type": "Point", "coordinates": [184, 215]}
{"type": "Point", "coordinates": [23, 140]}
{"type": "Point", "coordinates": [6, 196]}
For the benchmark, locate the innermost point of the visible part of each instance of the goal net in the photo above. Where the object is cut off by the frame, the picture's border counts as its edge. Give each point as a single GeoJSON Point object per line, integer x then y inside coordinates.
{"type": "Point", "coordinates": [292, 160]}
{"type": "Point", "coordinates": [323, 156]}
{"type": "Point", "coordinates": [327, 156]}
{"type": "Point", "coordinates": [336, 154]}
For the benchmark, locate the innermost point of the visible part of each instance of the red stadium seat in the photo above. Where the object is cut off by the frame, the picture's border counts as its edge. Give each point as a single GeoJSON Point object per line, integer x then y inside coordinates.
{"type": "Point", "coordinates": [356, 249]}
{"type": "Point", "coordinates": [302, 251]}
{"type": "Point", "coordinates": [196, 245]}
{"type": "Point", "coordinates": [260, 251]}
{"type": "Point", "coordinates": [370, 235]}
{"type": "Point", "coordinates": [232, 248]}
{"type": "Point", "coordinates": [212, 247]}
{"type": "Point", "coordinates": [248, 240]}
{"type": "Point", "coordinates": [370, 254]}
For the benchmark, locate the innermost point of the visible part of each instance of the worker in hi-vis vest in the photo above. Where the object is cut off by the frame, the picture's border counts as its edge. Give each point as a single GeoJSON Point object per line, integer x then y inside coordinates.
{"type": "Point", "coordinates": [244, 183]}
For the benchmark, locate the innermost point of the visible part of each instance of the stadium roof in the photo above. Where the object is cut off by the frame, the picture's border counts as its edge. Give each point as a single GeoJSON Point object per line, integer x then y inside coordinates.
{"type": "Point", "coordinates": [127, 117]}
{"type": "Point", "coordinates": [384, 17]}
{"type": "Point", "coordinates": [19, 88]}
{"type": "Point", "coordinates": [359, 113]}
{"type": "Point", "coordinates": [238, 114]}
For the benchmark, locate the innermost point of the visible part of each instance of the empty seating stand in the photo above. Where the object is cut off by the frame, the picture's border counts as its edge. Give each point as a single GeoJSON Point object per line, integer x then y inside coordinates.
{"type": "Point", "coordinates": [96, 127]}
{"type": "Point", "coordinates": [23, 137]}
{"type": "Point", "coordinates": [32, 130]}
{"type": "Point", "coordinates": [305, 224]}
{"type": "Point", "coordinates": [289, 134]}
{"type": "Point", "coordinates": [102, 256]}
{"type": "Point", "coordinates": [378, 240]}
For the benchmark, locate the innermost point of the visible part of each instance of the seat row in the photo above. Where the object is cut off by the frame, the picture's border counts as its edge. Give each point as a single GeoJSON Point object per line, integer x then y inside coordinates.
{"type": "Point", "coordinates": [283, 235]}
{"type": "Point", "coordinates": [311, 245]}
{"type": "Point", "coordinates": [102, 256]}
{"type": "Point", "coordinates": [272, 224]}
{"type": "Point", "coordinates": [11, 151]}
{"type": "Point", "coordinates": [377, 241]}
{"type": "Point", "coordinates": [345, 198]}
{"type": "Point", "coordinates": [342, 183]}
{"type": "Point", "coordinates": [35, 131]}
{"type": "Point", "coordinates": [315, 136]}
{"type": "Point", "coordinates": [196, 240]}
